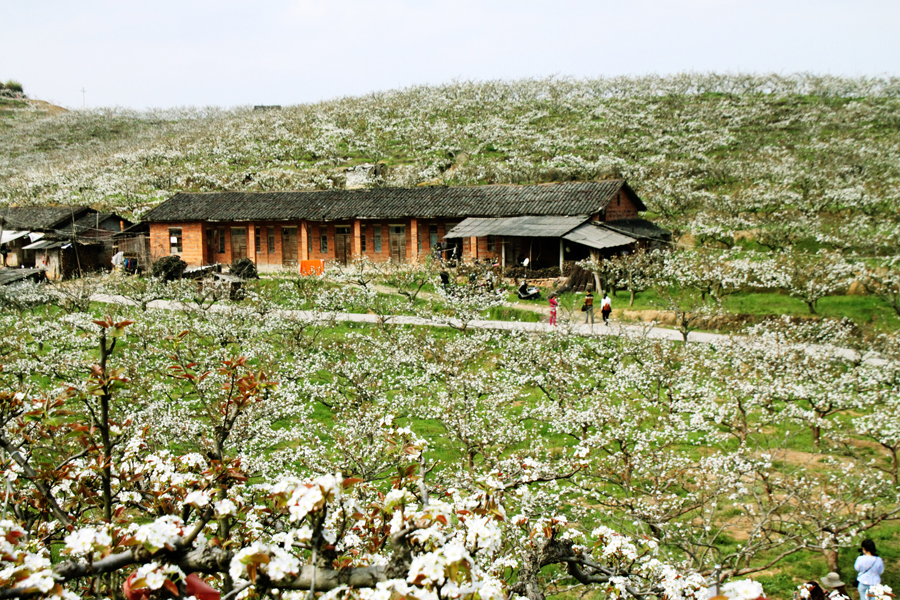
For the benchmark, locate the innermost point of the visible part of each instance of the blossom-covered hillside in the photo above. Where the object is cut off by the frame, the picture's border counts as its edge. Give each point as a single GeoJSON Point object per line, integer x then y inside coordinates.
{"type": "Point", "coordinates": [783, 157]}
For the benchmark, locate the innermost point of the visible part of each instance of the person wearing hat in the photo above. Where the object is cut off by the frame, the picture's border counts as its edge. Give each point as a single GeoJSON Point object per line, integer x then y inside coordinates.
{"type": "Point", "coordinates": [833, 581]}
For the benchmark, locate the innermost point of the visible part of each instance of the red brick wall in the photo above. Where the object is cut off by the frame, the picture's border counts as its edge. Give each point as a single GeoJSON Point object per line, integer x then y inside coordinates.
{"type": "Point", "coordinates": [621, 207]}
{"type": "Point", "coordinates": [192, 241]}
{"type": "Point", "coordinates": [264, 258]}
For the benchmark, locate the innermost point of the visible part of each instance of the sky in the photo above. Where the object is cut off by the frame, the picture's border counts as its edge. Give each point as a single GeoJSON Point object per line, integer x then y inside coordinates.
{"type": "Point", "coordinates": [168, 53]}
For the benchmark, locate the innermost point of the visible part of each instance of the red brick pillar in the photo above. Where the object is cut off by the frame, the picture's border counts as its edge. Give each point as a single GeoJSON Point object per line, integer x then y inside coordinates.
{"type": "Point", "coordinates": [413, 241]}
{"type": "Point", "coordinates": [304, 240]}
{"type": "Point", "coordinates": [355, 244]}
{"type": "Point", "coordinates": [251, 242]}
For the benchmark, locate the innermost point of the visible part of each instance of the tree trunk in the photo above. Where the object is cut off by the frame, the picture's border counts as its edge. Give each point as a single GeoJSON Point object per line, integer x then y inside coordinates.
{"type": "Point", "coordinates": [831, 559]}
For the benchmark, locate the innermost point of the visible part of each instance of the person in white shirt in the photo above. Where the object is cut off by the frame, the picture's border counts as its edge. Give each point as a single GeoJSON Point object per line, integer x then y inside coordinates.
{"type": "Point", "coordinates": [606, 308]}
{"type": "Point", "coordinates": [870, 567]}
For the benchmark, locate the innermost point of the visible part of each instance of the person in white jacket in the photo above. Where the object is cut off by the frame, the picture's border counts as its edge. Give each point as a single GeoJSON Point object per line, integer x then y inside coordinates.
{"type": "Point", "coordinates": [870, 567]}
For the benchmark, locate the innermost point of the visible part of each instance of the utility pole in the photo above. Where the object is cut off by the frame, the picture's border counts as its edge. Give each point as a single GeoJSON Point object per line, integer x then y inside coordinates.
{"type": "Point", "coordinates": [82, 98]}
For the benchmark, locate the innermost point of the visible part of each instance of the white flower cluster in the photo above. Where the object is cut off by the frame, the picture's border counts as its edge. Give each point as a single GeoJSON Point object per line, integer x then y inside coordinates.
{"type": "Point", "coordinates": [450, 571]}
{"type": "Point", "coordinates": [20, 568]}
{"type": "Point", "coordinates": [880, 592]}
{"type": "Point", "coordinates": [303, 498]}
{"type": "Point", "coordinates": [153, 575]}
{"type": "Point", "coordinates": [397, 498]}
{"type": "Point", "coordinates": [743, 589]}
{"type": "Point", "coordinates": [85, 541]}
{"type": "Point", "coordinates": [164, 531]}
{"type": "Point", "coordinates": [276, 562]}
{"type": "Point", "coordinates": [613, 547]}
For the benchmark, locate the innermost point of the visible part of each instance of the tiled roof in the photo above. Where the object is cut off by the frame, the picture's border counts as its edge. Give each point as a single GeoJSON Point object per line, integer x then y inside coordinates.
{"type": "Point", "coordinates": [559, 199]}
{"type": "Point", "coordinates": [39, 217]}
{"type": "Point", "coordinates": [93, 221]}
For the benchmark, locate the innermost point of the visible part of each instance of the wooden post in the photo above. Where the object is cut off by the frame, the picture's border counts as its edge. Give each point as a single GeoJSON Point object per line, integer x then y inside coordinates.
{"type": "Point", "coordinates": [251, 243]}
{"type": "Point", "coordinates": [596, 256]}
{"type": "Point", "coordinates": [473, 247]}
{"type": "Point", "coordinates": [502, 255]}
{"type": "Point", "coordinates": [304, 241]}
{"type": "Point", "coordinates": [561, 254]}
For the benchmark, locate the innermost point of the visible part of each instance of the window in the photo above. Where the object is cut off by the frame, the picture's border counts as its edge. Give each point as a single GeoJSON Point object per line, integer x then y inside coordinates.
{"type": "Point", "coordinates": [309, 239]}
{"type": "Point", "coordinates": [323, 242]}
{"type": "Point", "coordinates": [376, 239]}
{"type": "Point", "coordinates": [271, 241]}
{"type": "Point", "coordinates": [491, 243]}
{"type": "Point", "coordinates": [362, 240]}
{"type": "Point", "coordinates": [221, 234]}
{"type": "Point", "coordinates": [257, 240]}
{"type": "Point", "coordinates": [175, 246]}
{"type": "Point", "coordinates": [432, 236]}
{"type": "Point", "coordinates": [419, 240]}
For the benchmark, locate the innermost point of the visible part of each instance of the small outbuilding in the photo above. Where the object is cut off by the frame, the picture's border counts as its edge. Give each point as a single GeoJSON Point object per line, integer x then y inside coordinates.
{"type": "Point", "coordinates": [61, 240]}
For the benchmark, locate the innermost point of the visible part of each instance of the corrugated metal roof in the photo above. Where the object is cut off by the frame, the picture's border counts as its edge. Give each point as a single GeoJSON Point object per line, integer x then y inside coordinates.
{"type": "Point", "coordinates": [639, 228]}
{"type": "Point", "coordinates": [9, 236]}
{"type": "Point", "coordinates": [8, 276]}
{"type": "Point", "coordinates": [597, 236]}
{"type": "Point", "coordinates": [559, 199]}
{"type": "Point", "coordinates": [44, 245]}
{"type": "Point", "coordinates": [516, 226]}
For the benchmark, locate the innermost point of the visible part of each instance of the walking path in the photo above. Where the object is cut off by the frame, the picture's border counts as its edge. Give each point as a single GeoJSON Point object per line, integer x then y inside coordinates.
{"type": "Point", "coordinates": [598, 329]}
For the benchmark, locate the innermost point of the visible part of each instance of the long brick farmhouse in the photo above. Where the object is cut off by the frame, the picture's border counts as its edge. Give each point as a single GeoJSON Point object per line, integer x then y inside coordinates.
{"type": "Point", "coordinates": [546, 223]}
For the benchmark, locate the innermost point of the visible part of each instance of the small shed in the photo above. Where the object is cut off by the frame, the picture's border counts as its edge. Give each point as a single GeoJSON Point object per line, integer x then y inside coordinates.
{"type": "Point", "coordinates": [62, 240]}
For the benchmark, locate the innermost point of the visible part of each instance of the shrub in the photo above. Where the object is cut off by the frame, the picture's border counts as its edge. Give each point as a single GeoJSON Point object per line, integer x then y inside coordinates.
{"type": "Point", "coordinates": [15, 86]}
{"type": "Point", "coordinates": [168, 268]}
{"type": "Point", "coordinates": [244, 268]}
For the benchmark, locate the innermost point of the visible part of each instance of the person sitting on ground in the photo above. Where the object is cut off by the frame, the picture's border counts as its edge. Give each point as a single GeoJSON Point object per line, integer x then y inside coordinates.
{"type": "Point", "coordinates": [815, 591]}
{"type": "Point", "coordinates": [832, 581]}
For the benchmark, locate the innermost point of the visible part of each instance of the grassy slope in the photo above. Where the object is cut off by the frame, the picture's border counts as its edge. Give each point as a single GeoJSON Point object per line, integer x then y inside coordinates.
{"type": "Point", "coordinates": [697, 159]}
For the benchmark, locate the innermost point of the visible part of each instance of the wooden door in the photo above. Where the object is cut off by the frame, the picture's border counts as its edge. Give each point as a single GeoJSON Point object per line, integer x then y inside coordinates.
{"type": "Point", "coordinates": [342, 248]}
{"type": "Point", "coordinates": [238, 243]}
{"type": "Point", "coordinates": [397, 241]}
{"type": "Point", "coordinates": [212, 245]}
{"type": "Point", "coordinates": [289, 246]}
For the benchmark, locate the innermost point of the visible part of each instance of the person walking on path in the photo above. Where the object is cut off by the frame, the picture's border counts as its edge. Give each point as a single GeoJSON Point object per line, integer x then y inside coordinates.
{"type": "Point", "coordinates": [554, 302]}
{"type": "Point", "coordinates": [588, 308]}
{"type": "Point", "coordinates": [605, 308]}
{"type": "Point", "coordinates": [869, 566]}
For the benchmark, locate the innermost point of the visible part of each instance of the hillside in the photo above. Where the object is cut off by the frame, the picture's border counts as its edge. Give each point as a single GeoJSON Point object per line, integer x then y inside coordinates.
{"type": "Point", "coordinates": [790, 159]}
